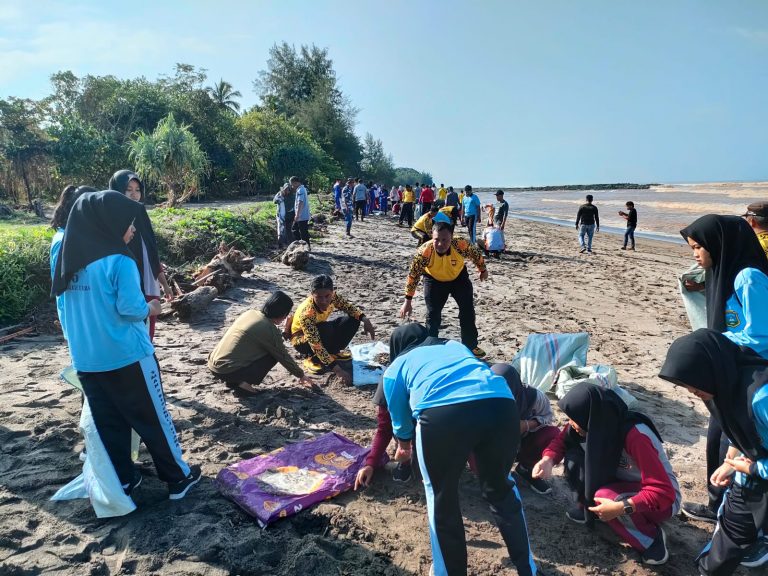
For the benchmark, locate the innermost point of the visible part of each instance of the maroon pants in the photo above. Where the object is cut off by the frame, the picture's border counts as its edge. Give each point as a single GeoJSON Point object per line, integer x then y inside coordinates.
{"type": "Point", "coordinates": [533, 444]}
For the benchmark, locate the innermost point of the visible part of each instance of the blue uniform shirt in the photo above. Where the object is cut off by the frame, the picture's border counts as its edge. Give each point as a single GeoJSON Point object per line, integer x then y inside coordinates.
{"type": "Point", "coordinates": [104, 313]}
{"type": "Point", "coordinates": [471, 205]}
{"type": "Point", "coordinates": [746, 311]}
{"type": "Point", "coordinates": [441, 375]}
{"type": "Point", "coordinates": [760, 412]}
{"type": "Point", "coordinates": [56, 241]}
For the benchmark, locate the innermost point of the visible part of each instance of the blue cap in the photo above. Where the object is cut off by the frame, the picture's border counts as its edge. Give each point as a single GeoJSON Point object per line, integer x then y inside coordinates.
{"type": "Point", "coordinates": [442, 217]}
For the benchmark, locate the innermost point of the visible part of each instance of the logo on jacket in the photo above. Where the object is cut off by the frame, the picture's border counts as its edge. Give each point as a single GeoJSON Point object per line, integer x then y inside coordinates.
{"type": "Point", "coordinates": [732, 319]}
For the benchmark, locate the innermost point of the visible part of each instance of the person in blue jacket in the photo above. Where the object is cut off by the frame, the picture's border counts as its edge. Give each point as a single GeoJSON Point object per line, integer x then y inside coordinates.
{"type": "Point", "coordinates": [460, 407]}
{"type": "Point", "coordinates": [731, 381]}
{"type": "Point", "coordinates": [104, 317]}
{"type": "Point", "coordinates": [736, 290]}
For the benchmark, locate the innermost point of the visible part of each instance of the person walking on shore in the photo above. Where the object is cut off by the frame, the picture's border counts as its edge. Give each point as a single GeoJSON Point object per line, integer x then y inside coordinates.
{"type": "Point", "coordinates": [361, 197]}
{"type": "Point", "coordinates": [470, 212]}
{"type": "Point", "coordinates": [427, 198]}
{"type": "Point", "coordinates": [348, 204]}
{"type": "Point", "coordinates": [452, 199]}
{"type": "Point", "coordinates": [441, 262]}
{"type": "Point", "coordinates": [502, 211]}
{"type": "Point", "coordinates": [757, 217]}
{"type": "Point", "coordinates": [301, 208]}
{"type": "Point", "coordinates": [587, 217]}
{"type": "Point", "coordinates": [631, 217]}
{"type": "Point", "coordinates": [406, 209]}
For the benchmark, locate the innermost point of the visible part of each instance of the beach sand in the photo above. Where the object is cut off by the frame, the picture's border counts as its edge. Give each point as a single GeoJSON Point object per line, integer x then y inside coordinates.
{"type": "Point", "coordinates": [627, 301]}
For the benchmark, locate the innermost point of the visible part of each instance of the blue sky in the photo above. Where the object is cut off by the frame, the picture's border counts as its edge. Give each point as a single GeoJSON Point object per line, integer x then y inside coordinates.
{"type": "Point", "coordinates": [497, 93]}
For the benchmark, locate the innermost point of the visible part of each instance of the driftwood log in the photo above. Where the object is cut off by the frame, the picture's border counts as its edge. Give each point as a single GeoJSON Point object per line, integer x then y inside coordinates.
{"type": "Point", "coordinates": [194, 302]}
{"type": "Point", "coordinates": [296, 255]}
{"type": "Point", "coordinates": [223, 269]}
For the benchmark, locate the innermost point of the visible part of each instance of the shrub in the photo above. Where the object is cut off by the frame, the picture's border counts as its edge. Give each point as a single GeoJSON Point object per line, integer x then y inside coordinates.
{"type": "Point", "coordinates": [25, 275]}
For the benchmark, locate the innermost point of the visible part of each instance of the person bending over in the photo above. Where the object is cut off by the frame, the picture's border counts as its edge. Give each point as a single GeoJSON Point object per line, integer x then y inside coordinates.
{"type": "Point", "coordinates": [322, 341]}
{"type": "Point", "coordinates": [441, 262]}
{"type": "Point", "coordinates": [252, 346]}
{"type": "Point", "coordinates": [617, 468]}
{"type": "Point", "coordinates": [422, 229]}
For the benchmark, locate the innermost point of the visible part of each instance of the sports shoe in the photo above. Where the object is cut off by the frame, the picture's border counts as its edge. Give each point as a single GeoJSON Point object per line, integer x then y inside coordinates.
{"type": "Point", "coordinates": [623, 247]}
{"type": "Point", "coordinates": [657, 552]}
{"type": "Point", "coordinates": [536, 484]}
{"type": "Point", "coordinates": [757, 554]}
{"type": "Point", "coordinates": [700, 512]}
{"type": "Point", "coordinates": [582, 251]}
{"type": "Point", "coordinates": [177, 490]}
{"type": "Point", "coordinates": [577, 514]}
{"type": "Point", "coordinates": [590, 252]}
{"type": "Point", "coordinates": [343, 355]}
{"type": "Point", "coordinates": [133, 484]}
{"type": "Point", "coordinates": [402, 472]}
{"type": "Point", "coordinates": [478, 352]}
{"type": "Point", "coordinates": [313, 366]}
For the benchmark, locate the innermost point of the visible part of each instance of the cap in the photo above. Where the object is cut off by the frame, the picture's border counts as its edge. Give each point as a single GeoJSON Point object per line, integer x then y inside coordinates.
{"type": "Point", "coordinates": [442, 217]}
{"type": "Point", "coordinates": [499, 192]}
{"type": "Point", "coordinates": [757, 209]}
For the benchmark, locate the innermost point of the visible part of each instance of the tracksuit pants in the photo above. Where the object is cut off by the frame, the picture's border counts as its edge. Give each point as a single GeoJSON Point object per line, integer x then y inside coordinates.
{"type": "Point", "coordinates": [335, 335]}
{"type": "Point", "coordinates": [132, 398]}
{"type": "Point", "coordinates": [436, 295]}
{"type": "Point", "coordinates": [383, 204]}
{"type": "Point", "coordinates": [717, 447]}
{"type": "Point", "coordinates": [743, 513]}
{"type": "Point", "coordinates": [445, 437]}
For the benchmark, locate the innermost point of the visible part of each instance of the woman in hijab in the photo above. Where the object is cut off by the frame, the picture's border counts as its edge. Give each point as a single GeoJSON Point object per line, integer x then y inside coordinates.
{"type": "Point", "coordinates": [731, 381]}
{"type": "Point", "coordinates": [617, 468]}
{"type": "Point", "coordinates": [104, 314]}
{"type": "Point", "coordinates": [537, 428]}
{"type": "Point", "coordinates": [736, 285]}
{"type": "Point", "coordinates": [144, 245]}
{"type": "Point", "coordinates": [460, 407]}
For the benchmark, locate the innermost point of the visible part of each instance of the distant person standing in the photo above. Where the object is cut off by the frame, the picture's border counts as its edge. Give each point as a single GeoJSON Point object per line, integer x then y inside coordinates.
{"type": "Point", "coordinates": [470, 212]}
{"type": "Point", "coordinates": [442, 193]}
{"type": "Point", "coordinates": [587, 217]}
{"type": "Point", "coordinates": [427, 198]}
{"type": "Point", "coordinates": [406, 210]}
{"type": "Point", "coordinates": [452, 198]}
{"type": "Point", "coordinates": [631, 217]}
{"type": "Point", "coordinates": [301, 207]}
{"type": "Point", "coordinates": [290, 210]}
{"type": "Point", "coordinates": [383, 198]}
{"type": "Point", "coordinates": [502, 210]}
{"type": "Point", "coordinates": [417, 193]}
{"type": "Point", "coordinates": [757, 217]}
{"type": "Point", "coordinates": [337, 194]}
{"type": "Point", "coordinates": [372, 191]}
{"type": "Point", "coordinates": [361, 197]}
{"type": "Point", "coordinates": [348, 204]}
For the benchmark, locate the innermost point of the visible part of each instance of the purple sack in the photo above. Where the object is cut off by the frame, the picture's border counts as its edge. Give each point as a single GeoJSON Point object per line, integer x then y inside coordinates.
{"type": "Point", "coordinates": [294, 477]}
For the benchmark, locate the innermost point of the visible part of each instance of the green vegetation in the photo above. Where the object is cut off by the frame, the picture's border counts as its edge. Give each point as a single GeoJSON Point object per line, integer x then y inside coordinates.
{"type": "Point", "coordinates": [25, 279]}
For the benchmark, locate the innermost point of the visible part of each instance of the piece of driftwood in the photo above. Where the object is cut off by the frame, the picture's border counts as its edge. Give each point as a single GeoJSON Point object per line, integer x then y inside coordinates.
{"type": "Point", "coordinates": [221, 272]}
{"type": "Point", "coordinates": [17, 334]}
{"type": "Point", "coordinates": [297, 255]}
{"type": "Point", "coordinates": [194, 302]}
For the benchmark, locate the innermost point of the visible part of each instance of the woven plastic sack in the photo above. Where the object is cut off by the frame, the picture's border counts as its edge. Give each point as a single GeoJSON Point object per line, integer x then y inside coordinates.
{"type": "Point", "coordinates": [365, 369]}
{"type": "Point", "coordinates": [544, 354]}
{"type": "Point", "coordinates": [290, 479]}
{"type": "Point", "coordinates": [695, 302]}
{"type": "Point", "coordinates": [599, 375]}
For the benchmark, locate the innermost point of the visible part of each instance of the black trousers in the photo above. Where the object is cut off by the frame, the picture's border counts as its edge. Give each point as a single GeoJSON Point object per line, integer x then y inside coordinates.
{"type": "Point", "coordinates": [436, 295]}
{"type": "Point", "coordinates": [425, 207]}
{"type": "Point", "coordinates": [254, 373]}
{"type": "Point", "coordinates": [132, 397]}
{"type": "Point", "coordinates": [360, 206]}
{"type": "Point", "coordinates": [445, 437]}
{"type": "Point", "coordinates": [406, 213]}
{"type": "Point", "coordinates": [335, 335]}
{"type": "Point", "coordinates": [717, 447]}
{"type": "Point", "coordinates": [744, 511]}
{"type": "Point", "coordinates": [290, 215]}
{"type": "Point", "coordinates": [300, 230]}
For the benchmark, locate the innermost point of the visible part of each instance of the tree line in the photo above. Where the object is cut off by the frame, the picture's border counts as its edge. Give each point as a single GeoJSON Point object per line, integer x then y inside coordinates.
{"type": "Point", "coordinates": [186, 137]}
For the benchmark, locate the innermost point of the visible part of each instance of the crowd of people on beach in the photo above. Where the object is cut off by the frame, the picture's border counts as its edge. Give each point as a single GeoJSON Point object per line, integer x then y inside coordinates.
{"type": "Point", "coordinates": [444, 406]}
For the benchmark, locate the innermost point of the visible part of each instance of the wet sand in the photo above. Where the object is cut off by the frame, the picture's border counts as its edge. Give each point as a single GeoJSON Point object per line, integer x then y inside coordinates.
{"type": "Point", "coordinates": [627, 301]}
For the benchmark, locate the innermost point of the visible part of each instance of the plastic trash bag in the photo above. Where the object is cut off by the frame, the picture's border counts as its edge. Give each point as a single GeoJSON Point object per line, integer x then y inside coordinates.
{"type": "Point", "coordinates": [599, 375]}
{"type": "Point", "coordinates": [99, 481]}
{"type": "Point", "coordinates": [544, 354]}
{"type": "Point", "coordinates": [695, 302]}
{"type": "Point", "coordinates": [365, 369]}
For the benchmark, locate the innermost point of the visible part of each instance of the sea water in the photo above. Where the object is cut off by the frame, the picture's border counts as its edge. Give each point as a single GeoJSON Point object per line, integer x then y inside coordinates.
{"type": "Point", "coordinates": [661, 210]}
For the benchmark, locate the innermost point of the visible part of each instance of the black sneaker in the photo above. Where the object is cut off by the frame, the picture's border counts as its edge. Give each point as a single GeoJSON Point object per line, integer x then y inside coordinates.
{"type": "Point", "coordinates": [177, 490]}
{"type": "Point", "coordinates": [402, 472]}
{"type": "Point", "coordinates": [657, 552]}
{"type": "Point", "coordinates": [536, 484]}
{"type": "Point", "coordinates": [582, 251]}
{"type": "Point", "coordinates": [700, 512]}
{"type": "Point", "coordinates": [578, 514]}
{"type": "Point", "coordinates": [133, 484]}
{"type": "Point", "coordinates": [757, 555]}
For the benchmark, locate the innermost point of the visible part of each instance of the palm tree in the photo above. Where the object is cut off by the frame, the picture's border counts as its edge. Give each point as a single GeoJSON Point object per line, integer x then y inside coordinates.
{"type": "Point", "coordinates": [223, 94]}
{"type": "Point", "coordinates": [172, 156]}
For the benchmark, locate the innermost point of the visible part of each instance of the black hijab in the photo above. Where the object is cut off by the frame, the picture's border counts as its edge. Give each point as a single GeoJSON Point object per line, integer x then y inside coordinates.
{"type": "Point", "coordinates": [525, 396]}
{"type": "Point", "coordinates": [708, 361]}
{"type": "Point", "coordinates": [144, 231]}
{"type": "Point", "coordinates": [606, 419]}
{"type": "Point", "coordinates": [733, 246]}
{"type": "Point", "coordinates": [95, 229]}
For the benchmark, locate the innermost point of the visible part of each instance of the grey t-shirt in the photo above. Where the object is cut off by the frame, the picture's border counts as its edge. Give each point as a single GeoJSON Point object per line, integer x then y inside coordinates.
{"type": "Point", "coordinates": [361, 192]}
{"type": "Point", "coordinates": [302, 213]}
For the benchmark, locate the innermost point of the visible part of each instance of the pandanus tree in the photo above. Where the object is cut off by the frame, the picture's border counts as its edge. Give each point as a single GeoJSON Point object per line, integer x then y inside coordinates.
{"type": "Point", "coordinates": [170, 156]}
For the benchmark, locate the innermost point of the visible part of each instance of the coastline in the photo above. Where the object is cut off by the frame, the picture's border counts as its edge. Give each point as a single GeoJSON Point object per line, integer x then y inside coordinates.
{"type": "Point", "coordinates": [628, 302]}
